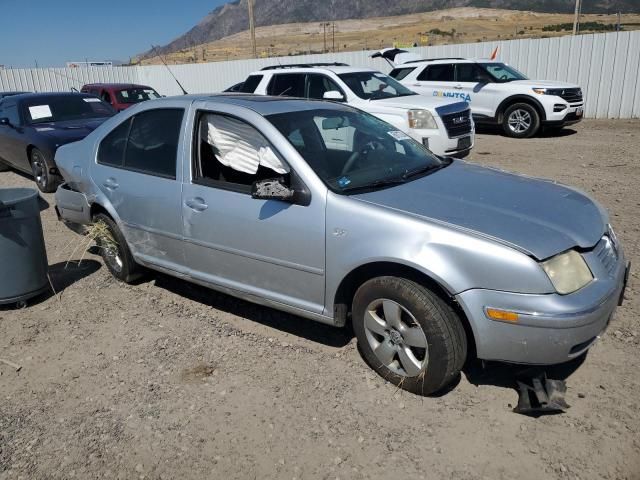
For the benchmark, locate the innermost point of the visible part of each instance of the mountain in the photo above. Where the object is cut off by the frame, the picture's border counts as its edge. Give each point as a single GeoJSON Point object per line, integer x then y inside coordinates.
{"type": "Point", "coordinates": [232, 17]}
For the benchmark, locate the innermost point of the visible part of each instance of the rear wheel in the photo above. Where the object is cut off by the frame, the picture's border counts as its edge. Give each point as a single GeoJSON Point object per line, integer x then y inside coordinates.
{"type": "Point", "coordinates": [114, 249]}
{"type": "Point", "coordinates": [408, 334]}
{"type": "Point", "coordinates": [41, 168]}
{"type": "Point", "coordinates": [521, 120]}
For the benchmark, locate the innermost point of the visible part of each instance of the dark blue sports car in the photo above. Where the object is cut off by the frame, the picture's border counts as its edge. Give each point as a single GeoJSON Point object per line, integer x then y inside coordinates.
{"type": "Point", "coordinates": [34, 125]}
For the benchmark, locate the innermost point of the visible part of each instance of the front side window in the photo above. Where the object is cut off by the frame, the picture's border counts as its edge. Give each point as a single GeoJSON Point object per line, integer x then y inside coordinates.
{"type": "Point", "coordinates": [63, 108]}
{"type": "Point", "coordinates": [287, 85]}
{"type": "Point", "coordinates": [352, 151]}
{"type": "Point", "coordinates": [374, 85]}
{"type": "Point", "coordinates": [470, 72]}
{"type": "Point", "coordinates": [10, 111]}
{"type": "Point", "coordinates": [320, 84]}
{"type": "Point", "coordinates": [250, 84]}
{"type": "Point", "coordinates": [152, 145]}
{"type": "Point", "coordinates": [232, 154]}
{"type": "Point", "coordinates": [502, 72]}
{"type": "Point", "coordinates": [135, 95]}
{"type": "Point", "coordinates": [442, 72]}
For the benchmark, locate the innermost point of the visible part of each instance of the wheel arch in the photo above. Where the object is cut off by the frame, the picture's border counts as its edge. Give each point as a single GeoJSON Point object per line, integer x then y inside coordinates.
{"type": "Point", "coordinates": [507, 102]}
{"type": "Point", "coordinates": [347, 288]}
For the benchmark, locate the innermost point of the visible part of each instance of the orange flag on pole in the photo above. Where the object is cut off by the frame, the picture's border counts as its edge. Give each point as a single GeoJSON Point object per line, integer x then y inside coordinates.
{"type": "Point", "coordinates": [494, 54]}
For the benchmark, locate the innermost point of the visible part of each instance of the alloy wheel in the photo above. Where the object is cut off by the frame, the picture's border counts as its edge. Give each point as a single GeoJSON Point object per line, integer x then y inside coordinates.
{"type": "Point", "coordinates": [519, 121]}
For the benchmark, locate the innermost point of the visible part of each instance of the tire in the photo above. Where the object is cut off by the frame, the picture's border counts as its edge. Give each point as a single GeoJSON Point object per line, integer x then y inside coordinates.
{"type": "Point", "coordinates": [41, 169]}
{"type": "Point", "coordinates": [115, 251]}
{"type": "Point", "coordinates": [416, 316]}
{"type": "Point", "coordinates": [520, 120]}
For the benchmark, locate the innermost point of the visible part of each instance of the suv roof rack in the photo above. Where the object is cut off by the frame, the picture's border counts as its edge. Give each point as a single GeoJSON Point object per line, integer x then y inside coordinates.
{"type": "Point", "coordinates": [305, 65]}
{"type": "Point", "coordinates": [432, 59]}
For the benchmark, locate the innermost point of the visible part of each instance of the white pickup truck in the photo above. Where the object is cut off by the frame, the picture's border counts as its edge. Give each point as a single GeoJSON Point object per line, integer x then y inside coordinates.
{"type": "Point", "coordinates": [497, 92]}
{"type": "Point", "coordinates": [443, 125]}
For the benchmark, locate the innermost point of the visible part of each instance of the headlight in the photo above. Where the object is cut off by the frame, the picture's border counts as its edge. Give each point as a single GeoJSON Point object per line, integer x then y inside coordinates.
{"type": "Point", "coordinates": [548, 91]}
{"type": "Point", "coordinates": [419, 119]}
{"type": "Point", "coordinates": [568, 272]}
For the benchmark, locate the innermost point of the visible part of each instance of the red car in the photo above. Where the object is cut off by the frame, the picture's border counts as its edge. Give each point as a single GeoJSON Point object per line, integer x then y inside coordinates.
{"type": "Point", "coordinates": [121, 95]}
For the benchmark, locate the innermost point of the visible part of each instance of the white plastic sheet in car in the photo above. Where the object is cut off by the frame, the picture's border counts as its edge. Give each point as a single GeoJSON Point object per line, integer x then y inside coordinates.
{"type": "Point", "coordinates": [239, 145]}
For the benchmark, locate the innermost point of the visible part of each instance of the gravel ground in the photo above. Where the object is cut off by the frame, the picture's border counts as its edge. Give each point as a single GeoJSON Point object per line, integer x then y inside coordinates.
{"type": "Point", "coordinates": [167, 380]}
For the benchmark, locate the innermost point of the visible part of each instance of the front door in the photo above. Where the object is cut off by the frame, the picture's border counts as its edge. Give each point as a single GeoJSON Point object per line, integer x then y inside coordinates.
{"type": "Point", "coordinates": [268, 248]}
{"type": "Point", "coordinates": [137, 171]}
{"type": "Point", "coordinates": [13, 141]}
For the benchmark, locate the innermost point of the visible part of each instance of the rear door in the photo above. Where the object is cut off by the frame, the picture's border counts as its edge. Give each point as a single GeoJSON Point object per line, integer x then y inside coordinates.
{"type": "Point", "coordinates": [437, 80]}
{"type": "Point", "coordinates": [13, 138]}
{"type": "Point", "coordinates": [136, 170]}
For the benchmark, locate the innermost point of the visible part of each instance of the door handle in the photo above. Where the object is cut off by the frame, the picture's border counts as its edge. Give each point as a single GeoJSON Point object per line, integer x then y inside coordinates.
{"type": "Point", "coordinates": [196, 204]}
{"type": "Point", "coordinates": [416, 85]}
{"type": "Point", "coordinates": [459, 87]}
{"type": "Point", "coordinates": [110, 183]}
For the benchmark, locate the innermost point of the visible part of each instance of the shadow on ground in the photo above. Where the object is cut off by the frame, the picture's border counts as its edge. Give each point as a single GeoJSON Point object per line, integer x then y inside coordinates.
{"type": "Point", "coordinates": [291, 324]}
{"type": "Point", "coordinates": [555, 132]}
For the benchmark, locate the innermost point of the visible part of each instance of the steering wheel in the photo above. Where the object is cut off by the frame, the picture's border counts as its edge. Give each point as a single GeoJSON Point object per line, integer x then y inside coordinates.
{"type": "Point", "coordinates": [353, 158]}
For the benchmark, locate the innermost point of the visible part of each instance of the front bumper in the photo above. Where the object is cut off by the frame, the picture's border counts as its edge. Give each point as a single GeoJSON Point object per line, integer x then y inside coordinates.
{"type": "Point", "coordinates": [439, 142]}
{"type": "Point", "coordinates": [573, 113]}
{"type": "Point", "coordinates": [551, 328]}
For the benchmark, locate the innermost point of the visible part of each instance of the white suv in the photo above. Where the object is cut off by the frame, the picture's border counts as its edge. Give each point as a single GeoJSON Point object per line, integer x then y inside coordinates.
{"type": "Point", "coordinates": [497, 92]}
{"type": "Point", "coordinates": [443, 125]}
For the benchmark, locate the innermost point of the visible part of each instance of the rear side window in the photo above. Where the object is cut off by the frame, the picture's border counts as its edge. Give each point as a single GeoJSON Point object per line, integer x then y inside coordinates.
{"type": "Point", "coordinates": [146, 143]}
{"type": "Point", "coordinates": [111, 150]}
{"type": "Point", "coordinates": [287, 85]}
{"type": "Point", "coordinates": [251, 83]}
{"type": "Point", "coordinates": [437, 73]}
{"type": "Point", "coordinates": [400, 73]}
{"type": "Point", "coordinates": [152, 146]}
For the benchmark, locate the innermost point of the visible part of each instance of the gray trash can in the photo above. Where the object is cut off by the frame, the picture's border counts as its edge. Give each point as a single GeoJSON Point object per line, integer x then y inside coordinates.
{"type": "Point", "coordinates": [23, 257]}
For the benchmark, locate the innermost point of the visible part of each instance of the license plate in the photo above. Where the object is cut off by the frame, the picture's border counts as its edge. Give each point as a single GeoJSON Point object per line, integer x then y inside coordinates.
{"type": "Point", "coordinates": [579, 112]}
{"type": "Point", "coordinates": [464, 142]}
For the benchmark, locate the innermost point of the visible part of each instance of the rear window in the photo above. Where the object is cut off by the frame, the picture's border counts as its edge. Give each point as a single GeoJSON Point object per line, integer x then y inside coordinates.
{"type": "Point", "coordinates": [437, 73]}
{"type": "Point", "coordinates": [287, 84]}
{"type": "Point", "coordinates": [400, 73]}
{"type": "Point", "coordinates": [250, 84]}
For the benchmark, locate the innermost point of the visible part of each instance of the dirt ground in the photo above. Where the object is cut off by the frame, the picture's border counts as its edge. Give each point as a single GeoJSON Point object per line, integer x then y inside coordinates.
{"type": "Point", "coordinates": [166, 380]}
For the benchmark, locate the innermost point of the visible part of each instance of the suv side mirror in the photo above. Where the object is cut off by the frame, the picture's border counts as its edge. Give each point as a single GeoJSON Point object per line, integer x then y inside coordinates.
{"type": "Point", "coordinates": [333, 95]}
{"type": "Point", "coordinates": [272, 189]}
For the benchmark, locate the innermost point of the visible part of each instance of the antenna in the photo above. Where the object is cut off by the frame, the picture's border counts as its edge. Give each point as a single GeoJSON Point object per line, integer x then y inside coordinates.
{"type": "Point", "coordinates": [184, 92]}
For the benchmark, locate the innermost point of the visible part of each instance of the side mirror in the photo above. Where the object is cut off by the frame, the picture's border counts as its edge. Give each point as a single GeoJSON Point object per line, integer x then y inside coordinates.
{"type": "Point", "coordinates": [272, 189]}
{"type": "Point", "coordinates": [333, 95]}
{"type": "Point", "coordinates": [5, 121]}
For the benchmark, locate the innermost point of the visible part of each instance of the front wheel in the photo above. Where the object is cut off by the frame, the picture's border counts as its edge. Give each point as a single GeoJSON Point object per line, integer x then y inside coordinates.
{"type": "Point", "coordinates": [408, 334]}
{"type": "Point", "coordinates": [521, 120]}
{"type": "Point", "coordinates": [41, 168]}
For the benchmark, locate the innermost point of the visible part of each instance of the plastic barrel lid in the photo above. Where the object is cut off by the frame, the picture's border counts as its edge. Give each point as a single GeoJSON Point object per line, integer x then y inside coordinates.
{"type": "Point", "coordinates": [11, 196]}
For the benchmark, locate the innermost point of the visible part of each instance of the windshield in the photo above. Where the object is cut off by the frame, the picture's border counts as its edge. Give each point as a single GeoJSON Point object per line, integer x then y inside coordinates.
{"type": "Point", "coordinates": [65, 107]}
{"type": "Point", "coordinates": [502, 73]}
{"type": "Point", "coordinates": [374, 85]}
{"type": "Point", "coordinates": [352, 151]}
{"type": "Point", "coordinates": [136, 95]}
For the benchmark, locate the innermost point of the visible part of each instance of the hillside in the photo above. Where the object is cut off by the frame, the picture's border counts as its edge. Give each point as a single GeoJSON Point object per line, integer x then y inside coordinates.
{"type": "Point", "coordinates": [232, 17]}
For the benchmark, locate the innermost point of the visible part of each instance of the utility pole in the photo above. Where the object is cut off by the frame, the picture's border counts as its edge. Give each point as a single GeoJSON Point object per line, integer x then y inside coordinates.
{"type": "Point", "coordinates": [618, 24]}
{"type": "Point", "coordinates": [576, 19]}
{"type": "Point", "coordinates": [324, 28]}
{"type": "Point", "coordinates": [333, 36]}
{"type": "Point", "coordinates": [252, 28]}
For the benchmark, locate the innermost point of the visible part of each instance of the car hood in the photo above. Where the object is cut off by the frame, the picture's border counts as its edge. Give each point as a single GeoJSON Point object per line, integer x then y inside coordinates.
{"type": "Point", "coordinates": [543, 83]}
{"type": "Point", "coordinates": [539, 217]}
{"type": "Point", "coordinates": [69, 131]}
{"type": "Point", "coordinates": [421, 101]}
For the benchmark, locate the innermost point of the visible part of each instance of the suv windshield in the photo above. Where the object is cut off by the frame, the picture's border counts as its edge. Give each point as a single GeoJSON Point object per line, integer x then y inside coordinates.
{"type": "Point", "coordinates": [352, 151]}
{"type": "Point", "coordinates": [136, 95]}
{"type": "Point", "coordinates": [374, 85]}
{"type": "Point", "coordinates": [65, 107]}
{"type": "Point", "coordinates": [502, 73]}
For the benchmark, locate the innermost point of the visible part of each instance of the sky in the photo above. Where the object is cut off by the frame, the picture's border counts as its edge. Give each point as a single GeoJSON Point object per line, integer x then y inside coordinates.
{"type": "Point", "coordinates": [53, 32]}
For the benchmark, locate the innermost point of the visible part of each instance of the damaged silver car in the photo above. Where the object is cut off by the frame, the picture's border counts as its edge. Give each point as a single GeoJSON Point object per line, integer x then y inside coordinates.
{"type": "Point", "coordinates": [324, 211]}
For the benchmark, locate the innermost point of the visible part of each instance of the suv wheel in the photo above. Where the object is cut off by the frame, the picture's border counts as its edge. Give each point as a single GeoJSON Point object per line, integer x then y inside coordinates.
{"type": "Point", "coordinates": [521, 120]}
{"type": "Point", "coordinates": [41, 168]}
{"type": "Point", "coordinates": [114, 249]}
{"type": "Point", "coordinates": [408, 334]}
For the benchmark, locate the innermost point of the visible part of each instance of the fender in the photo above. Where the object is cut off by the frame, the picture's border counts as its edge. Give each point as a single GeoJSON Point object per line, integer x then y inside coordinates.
{"type": "Point", "coordinates": [520, 98]}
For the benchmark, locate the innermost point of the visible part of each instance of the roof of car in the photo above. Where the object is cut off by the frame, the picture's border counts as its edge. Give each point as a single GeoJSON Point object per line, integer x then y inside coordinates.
{"type": "Point", "coordinates": [116, 85]}
{"type": "Point", "coordinates": [337, 69]}
{"type": "Point", "coordinates": [431, 61]}
{"type": "Point", "coordinates": [261, 104]}
{"type": "Point", "coordinates": [34, 96]}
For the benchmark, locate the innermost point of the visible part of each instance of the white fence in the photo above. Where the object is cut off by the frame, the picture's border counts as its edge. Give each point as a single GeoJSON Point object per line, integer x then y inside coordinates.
{"type": "Point", "coordinates": [606, 66]}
